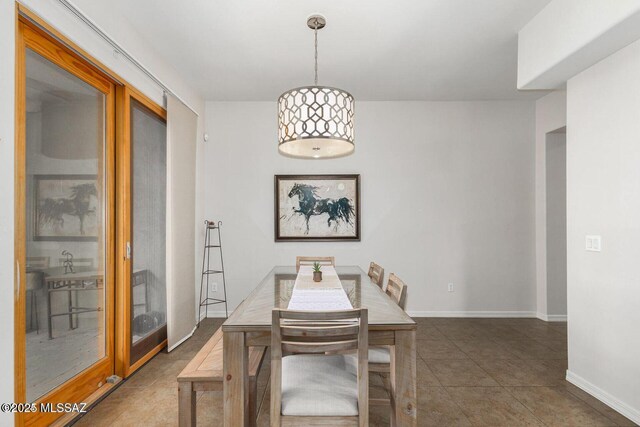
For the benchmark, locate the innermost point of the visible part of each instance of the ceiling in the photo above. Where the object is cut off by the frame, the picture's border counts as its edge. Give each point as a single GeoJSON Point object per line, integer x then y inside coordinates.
{"type": "Point", "coordinates": [241, 50]}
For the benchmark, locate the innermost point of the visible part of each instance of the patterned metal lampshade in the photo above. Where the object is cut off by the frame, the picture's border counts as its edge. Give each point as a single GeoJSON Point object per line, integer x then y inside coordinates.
{"type": "Point", "coordinates": [315, 122]}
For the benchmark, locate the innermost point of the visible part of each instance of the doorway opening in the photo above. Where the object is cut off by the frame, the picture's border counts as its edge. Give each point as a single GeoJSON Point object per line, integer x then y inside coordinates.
{"type": "Point", "coordinates": [556, 215]}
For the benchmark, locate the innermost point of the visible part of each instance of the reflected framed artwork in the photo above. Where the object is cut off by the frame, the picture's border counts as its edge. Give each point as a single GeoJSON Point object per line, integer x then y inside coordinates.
{"type": "Point", "coordinates": [317, 207]}
{"type": "Point", "coordinates": [66, 208]}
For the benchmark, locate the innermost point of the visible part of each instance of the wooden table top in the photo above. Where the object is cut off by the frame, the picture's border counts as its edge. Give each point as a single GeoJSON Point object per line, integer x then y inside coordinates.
{"type": "Point", "coordinates": [254, 313]}
{"type": "Point", "coordinates": [79, 275]}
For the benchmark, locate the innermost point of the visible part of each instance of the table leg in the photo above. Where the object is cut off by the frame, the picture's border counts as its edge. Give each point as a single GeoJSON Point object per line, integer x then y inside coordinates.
{"type": "Point", "coordinates": [253, 401]}
{"type": "Point", "coordinates": [404, 400]}
{"type": "Point", "coordinates": [49, 315]}
{"type": "Point", "coordinates": [70, 310]}
{"type": "Point", "coordinates": [186, 404]}
{"type": "Point", "coordinates": [235, 379]}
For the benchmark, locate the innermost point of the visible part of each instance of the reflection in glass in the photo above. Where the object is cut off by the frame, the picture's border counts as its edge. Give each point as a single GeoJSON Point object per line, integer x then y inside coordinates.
{"type": "Point", "coordinates": [148, 281]}
{"type": "Point", "coordinates": [65, 211]}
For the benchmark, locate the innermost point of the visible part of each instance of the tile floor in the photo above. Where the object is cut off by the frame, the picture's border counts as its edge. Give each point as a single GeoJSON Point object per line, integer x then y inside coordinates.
{"type": "Point", "coordinates": [471, 372]}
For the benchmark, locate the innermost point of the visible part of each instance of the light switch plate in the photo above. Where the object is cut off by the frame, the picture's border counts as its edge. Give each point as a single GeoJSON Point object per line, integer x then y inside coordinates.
{"type": "Point", "coordinates": [593, 243]}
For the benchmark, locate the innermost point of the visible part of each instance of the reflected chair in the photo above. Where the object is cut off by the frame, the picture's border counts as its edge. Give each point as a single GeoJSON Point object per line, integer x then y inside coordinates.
{"type": "Point", "coordinates": [376, 273]}
{"type": "Point", "coordinates": [310, 387]}
{"type": "Point", "coordinates": [34, 282]}
{"type": "Point", "coordinates": [380, 357]}
{"type": "Point", "coordinates": [310, 260]}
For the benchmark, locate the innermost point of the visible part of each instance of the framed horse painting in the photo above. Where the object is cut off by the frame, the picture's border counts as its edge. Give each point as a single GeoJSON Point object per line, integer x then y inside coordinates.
{"type": "Point", "coordinates": [66, 208]}
{"type": "Point", "coordinates": [317, 207]}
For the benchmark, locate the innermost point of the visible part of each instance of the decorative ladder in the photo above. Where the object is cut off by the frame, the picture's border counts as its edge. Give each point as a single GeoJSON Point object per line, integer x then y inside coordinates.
{"type": "Point", "coordinates": [208, 271]}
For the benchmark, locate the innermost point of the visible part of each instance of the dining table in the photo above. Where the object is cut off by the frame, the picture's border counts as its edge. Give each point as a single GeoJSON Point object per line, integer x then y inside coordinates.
{"type": "Point", "coordinates": [250, 325]}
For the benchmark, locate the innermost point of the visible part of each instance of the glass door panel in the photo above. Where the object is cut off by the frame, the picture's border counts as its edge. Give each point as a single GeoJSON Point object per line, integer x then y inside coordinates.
{"type": "Point", "coordinates": [65, 211]}
{"type": "Point", "coordinates": [148, 230]}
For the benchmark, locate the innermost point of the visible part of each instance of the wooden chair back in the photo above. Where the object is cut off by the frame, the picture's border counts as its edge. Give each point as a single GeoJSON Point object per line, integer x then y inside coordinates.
{"type": "Point", "coordinates": [319, 332]}
{"type": "Point", "coordinates": [397, 290]}
{"type": "Point", "coordinates": [376, 273]}
{"type": "Point", "coordinates": [309, 260]}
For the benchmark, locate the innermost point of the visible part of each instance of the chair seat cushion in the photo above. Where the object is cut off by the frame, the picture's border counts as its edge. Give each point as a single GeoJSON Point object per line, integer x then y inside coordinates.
{"type": "Point", "coordinates": [379, 355]}
{"type": "Point", "coordinates": [319, 385]}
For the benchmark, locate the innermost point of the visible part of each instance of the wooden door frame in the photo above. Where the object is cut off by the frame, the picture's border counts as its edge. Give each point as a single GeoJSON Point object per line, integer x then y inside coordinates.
{"type": "Point", "coordinates": [124, 206]}
{"type": "Point", "coordinates": [123, 91]}
{"type": "Point", "coordinates": [30, 34]}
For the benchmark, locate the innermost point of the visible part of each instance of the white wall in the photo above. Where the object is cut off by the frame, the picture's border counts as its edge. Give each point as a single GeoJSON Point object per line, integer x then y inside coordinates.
{"type": "Point", "coordinates": [568, 36]}
{"type": "Point", "coordinates": [125, 34]}
{"type": "Point", "coordinates": [603, 188]}
{"type": "Point", "coordinates": [447, 196]}
{"type": "Point", "coordinates": [551, 114]}
{"type": "Point", "coordinates": [556, 166]}
{"type": "Point", "coordinates": [7, 119]}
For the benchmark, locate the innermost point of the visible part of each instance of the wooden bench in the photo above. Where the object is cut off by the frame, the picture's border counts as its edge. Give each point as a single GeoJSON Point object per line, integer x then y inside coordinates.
{"type": "Point", "coordinates": [204, 372]}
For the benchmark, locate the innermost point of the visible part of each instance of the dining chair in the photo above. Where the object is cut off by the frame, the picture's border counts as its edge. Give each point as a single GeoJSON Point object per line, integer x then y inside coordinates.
{"type": "Point", "coordinates": [376, 273]}
{"type": "Point", "coordinates": [380, 357]}
{"type": "Point", "coordinates": [310, 260]}
{"type": "Point", "coordinates": [309, 386]}
{"type": "Point", "coordinates": [397, 290]}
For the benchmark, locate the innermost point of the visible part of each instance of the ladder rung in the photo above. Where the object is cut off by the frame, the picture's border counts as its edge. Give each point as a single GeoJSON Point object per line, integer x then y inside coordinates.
{"type": "Point", "coordinates": [212, 246]}
{"type": "Point", "coordinates": [216, 301]}
{"type": "Point", "coordinates": [212, 272]}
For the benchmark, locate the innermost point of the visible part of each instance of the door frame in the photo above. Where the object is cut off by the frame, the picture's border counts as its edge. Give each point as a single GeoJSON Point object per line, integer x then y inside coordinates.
{"type": "Point", "coordinates": [31, 33]}
{"type": "Point", "coordinates": [125, 95]}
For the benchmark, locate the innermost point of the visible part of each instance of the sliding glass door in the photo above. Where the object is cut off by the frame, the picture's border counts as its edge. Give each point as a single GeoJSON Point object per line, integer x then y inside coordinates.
{"type": "Point", "coordinates": [143, 196]}
{"type": "Point", "coordinates": [64, 331]}
{"type": "Point", "coordinates": [90, 248]}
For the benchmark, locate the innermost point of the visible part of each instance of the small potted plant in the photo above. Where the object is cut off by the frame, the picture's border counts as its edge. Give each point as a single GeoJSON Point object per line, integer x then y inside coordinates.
{"type": "Point", "coordinates": [317, 272]}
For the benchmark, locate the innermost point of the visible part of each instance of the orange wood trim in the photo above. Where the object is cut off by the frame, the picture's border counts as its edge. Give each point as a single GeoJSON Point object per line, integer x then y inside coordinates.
{"type": "Point", "coordinates": [147, 102]}
{"type": "Point", "coordinates": [32, 19]}
{"type": "Point", "coordinates": [45, 45]}
{"type": "Point", "coordinates": [89, 380]}
{"type": "Point", "coordinates": [79, 388]}
{"type": "Point", "coordinates": [20, 390]}
{"type": "Point", "coordinates": [144, 359]}
{"type": "Point", "coordinates": [123, 203]}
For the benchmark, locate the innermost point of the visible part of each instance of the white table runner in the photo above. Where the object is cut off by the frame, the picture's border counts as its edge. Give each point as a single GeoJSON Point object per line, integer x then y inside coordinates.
{"type": "Point", "coordinates": [321, 296]}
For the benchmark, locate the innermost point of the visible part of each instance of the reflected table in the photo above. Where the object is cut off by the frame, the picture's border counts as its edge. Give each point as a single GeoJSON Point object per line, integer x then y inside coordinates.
{"type": "Point", "coordinates": [72, 283]}
{"type": "Point", "coordinates": [250, 325]}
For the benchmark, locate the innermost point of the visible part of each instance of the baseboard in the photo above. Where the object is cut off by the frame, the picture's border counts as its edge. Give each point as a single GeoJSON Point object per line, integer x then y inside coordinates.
{"type": "Point", "coordinates": [552, 317]}
{"type": "Point", "coordinates": [505, 314]}
{"type": "Point", "coordinates": [626, 410]}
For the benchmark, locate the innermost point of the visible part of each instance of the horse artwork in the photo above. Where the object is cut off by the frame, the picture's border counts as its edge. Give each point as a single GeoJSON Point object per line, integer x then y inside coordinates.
{"type": "Point", "coordinates": [317, 207]}
{"type": "Point", "coordinates": [66, 207]}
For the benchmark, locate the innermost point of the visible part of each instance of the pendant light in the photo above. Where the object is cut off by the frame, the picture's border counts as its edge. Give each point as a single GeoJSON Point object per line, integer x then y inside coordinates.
{"type": "Point", "coordinates": [315, 122]}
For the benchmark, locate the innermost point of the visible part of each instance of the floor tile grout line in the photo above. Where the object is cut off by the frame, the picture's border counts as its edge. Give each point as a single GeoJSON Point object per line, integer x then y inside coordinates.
{"type": "Point", "coordinates": [428, 367]}
{"type": "Point", "coordinates": [524, 405]}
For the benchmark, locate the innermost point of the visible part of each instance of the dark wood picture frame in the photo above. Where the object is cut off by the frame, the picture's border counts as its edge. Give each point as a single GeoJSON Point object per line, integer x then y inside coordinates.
{"type": "Point", "coordinates": [303, 238]}
{"type": "Point", "coordinates": [37, 179]}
